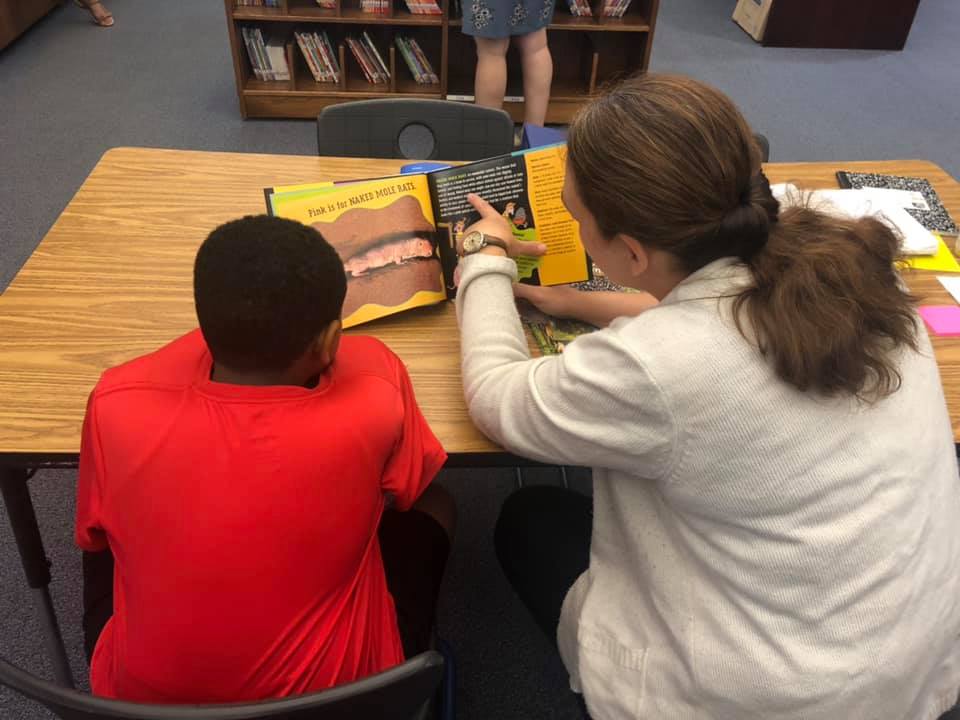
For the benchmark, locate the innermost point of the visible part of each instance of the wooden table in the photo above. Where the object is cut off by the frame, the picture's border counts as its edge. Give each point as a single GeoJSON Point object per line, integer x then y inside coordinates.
{"type": "Point", "coordinates": [113, 280]}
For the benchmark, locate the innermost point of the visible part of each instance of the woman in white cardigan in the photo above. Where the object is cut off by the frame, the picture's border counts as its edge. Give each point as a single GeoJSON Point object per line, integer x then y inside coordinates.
{"type": "Point", "coordinates": [775, 525]}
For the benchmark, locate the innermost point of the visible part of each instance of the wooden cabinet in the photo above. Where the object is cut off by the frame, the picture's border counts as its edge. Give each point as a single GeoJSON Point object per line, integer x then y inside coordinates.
{"type": "Point", "coordinates": [18, 15]}
{"type": "Point", "coordinates": [853, 24]}
{"type": "Point", "coordinates": [586, 53]}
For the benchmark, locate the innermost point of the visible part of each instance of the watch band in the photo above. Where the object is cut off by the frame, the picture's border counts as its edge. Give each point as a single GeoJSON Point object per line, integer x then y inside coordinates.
{"type": "Point", "coordinates": [487, 240]}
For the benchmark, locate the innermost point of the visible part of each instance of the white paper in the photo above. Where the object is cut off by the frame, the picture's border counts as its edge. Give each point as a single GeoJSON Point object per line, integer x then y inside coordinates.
{"type": "Point", "coordinates": [952, 284]}
{"type": "Point", "coordinates": [917, 240]}
{"type": "Point", "coordinates": [907, 199]}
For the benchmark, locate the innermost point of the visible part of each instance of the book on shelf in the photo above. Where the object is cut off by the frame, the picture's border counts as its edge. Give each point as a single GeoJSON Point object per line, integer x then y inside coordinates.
{"type": "Point", "coordinates": [378, 7]}
{"type": "Point", "coordinates": [267, 58]}
{"type": "Point", "coordinates": [416, 60]}
{"type": "Point", "coordinates": [319, 56]}
{"type": "Point", "coordinates": [327, 4]}
{"type": "Point", "coordinates": [580, 8]}
{"type": "Point", "coordinates": [376, 56]}
{"type": "Point", "coordinates": [424, 7]}
{"type": "Point", "coordinates": [470, 98]}
{"type": "Point", "coordinates": [615, 8]}
{"type": "Point", "coordinates": [364, 56]}
{"type": "Point", "coordinates": [257, 3]}
{"type": "Point", "coordinates": [397, 236]}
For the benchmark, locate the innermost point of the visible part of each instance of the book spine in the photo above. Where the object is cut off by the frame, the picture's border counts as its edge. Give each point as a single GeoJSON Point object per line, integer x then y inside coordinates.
{"type": "Point", "coordinates": [251, 54]}
{"type": "Point", "coordinates": [379, 58]}
{"type": "Point", "coordinates": [320, 58]}
{"type": "Point", "coordinates": [332, 56]}
{"type": "Point", "coordinates": [421, 56]}
{"type": "Point", "coordinates": [409, 59]}
{"type": "Point", "coordinates": [262, 54]}
{"type": "Point", "coordinates": [320, 52]}
{"type": "Point", "coordinates": [368, 57]}
{"type": "Point", "coordinates": [358, 55]}
{"type": "Point", "coordinates": [307, 57]}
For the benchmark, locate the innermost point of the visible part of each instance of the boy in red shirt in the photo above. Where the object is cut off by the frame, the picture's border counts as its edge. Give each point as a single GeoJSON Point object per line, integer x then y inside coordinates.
{"type": "Point", "coordinates": [254, 498]}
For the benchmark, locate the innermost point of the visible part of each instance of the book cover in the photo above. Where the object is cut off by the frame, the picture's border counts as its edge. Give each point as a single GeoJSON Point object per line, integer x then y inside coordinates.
{"type": "Point", "coordinates": [385, 235]}
{"type": "Point", "coordinates": [378, 224]}
{"type": "Point", "coordinates": [928, 209]}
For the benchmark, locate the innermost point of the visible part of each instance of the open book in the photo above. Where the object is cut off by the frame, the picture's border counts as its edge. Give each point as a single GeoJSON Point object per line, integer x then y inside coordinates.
{"type": "Point", "coordinates": [397, 236]}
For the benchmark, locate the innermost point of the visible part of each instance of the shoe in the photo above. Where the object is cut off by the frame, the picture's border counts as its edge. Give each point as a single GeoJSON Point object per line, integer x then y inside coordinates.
{"type": "Point", "coordinates": [104, 18]}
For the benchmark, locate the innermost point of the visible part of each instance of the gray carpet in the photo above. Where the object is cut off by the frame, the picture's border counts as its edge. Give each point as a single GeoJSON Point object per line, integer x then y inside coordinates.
{"type": "Point", "coordinates": [162, 78]}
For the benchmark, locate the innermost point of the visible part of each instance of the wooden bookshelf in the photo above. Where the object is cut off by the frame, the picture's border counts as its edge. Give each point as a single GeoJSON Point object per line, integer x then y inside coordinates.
{"type": "Point", "coordinates": [587, 53]}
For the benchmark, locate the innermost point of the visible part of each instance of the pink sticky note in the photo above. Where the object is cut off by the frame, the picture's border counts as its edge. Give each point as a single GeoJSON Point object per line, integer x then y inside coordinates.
{"type": "Point", "coordinates": [942, 319]}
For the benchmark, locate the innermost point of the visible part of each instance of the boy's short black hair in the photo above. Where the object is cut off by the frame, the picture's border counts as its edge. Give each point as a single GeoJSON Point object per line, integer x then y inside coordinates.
{"type": "Point", "coordinates": [264, 288]}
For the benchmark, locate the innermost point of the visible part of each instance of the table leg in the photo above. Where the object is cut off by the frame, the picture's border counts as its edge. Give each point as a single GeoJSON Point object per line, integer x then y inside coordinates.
{"type": "Point", "coordinates": [26, 531]}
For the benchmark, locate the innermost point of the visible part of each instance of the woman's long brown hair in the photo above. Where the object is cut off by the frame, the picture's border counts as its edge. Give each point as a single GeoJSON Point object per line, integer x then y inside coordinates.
{"type": "Point", "coordinates": [671, 162]}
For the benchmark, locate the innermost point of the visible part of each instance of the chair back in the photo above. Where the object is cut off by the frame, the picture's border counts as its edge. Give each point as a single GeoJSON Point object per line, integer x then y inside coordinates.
{"type": "Point", "coordinates": [400, 693]}
{"type": "Point", "coordinates": [415, 129]}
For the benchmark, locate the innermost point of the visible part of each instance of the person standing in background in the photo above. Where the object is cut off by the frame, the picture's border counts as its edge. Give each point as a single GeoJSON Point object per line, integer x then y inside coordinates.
{"type": "Point", "coordinates": [493, 23]}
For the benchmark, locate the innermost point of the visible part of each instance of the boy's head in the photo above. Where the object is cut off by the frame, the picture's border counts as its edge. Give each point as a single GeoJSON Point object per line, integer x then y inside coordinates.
{"type": "Point", "coordinates": [268, 292]}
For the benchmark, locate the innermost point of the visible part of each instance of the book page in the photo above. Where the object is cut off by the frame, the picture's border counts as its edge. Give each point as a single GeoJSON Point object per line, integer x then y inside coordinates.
{"type": "Point", "coordinates": [525, 187]}
{"type": "Point", "coordinates": [384, 232]}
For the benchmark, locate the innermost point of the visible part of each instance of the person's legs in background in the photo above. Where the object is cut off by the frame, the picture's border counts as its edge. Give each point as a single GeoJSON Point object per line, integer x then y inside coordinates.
{"type": "Point", "coordinates": [542, 541]}
{"type": "Point", "coordinates": [537, 75]}
{"type": "Point", "coordinates": [491, 78]}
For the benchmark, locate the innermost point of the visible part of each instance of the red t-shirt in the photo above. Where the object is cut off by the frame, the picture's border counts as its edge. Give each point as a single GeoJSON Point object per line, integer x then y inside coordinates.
{"type": "Point", "coordinates": [243, 521]}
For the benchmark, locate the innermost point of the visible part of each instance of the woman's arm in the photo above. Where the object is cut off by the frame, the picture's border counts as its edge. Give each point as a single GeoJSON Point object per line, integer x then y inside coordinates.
{"type": "Point", "coordinates": [594, 405]}
{"type": "Point", "coordinates": [596, 308]}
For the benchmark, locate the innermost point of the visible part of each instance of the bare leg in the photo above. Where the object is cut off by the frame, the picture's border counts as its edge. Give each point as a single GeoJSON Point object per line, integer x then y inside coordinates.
{"type": "Point", "coordinates": [537, 75]}
{"type": "Point", "coordinates": [437, 502]}
{"type": "Point", "coordinates": [491, 79]}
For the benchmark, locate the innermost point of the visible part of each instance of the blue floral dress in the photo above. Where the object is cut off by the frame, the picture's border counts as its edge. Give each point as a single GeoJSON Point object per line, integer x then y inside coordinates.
{"type": "Point", "coordinates": [503, 18]}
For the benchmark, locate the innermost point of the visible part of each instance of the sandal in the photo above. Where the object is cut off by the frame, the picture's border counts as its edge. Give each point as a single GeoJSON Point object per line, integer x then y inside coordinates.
{"type": "Point", "coordinates": [104, 18]}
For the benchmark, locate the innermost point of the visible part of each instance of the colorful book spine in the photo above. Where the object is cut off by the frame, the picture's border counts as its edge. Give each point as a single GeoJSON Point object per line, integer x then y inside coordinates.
{"type": "Point", "coordinates": [327, 4]}
{"type": "Point", "coordinates": [384, 70]}
{"type": "Point", "coordinates": [304, 44]}
{"type": "Point", "coordinates": [424, 7]}
{"type": "Point", "coordinates": [332, 57]}
{"type": "Point", "coordinates": [369, 72]}
{"type": "Point", "coordinates": [251, 53]}
{"type": "Point", "coordinates": [409, 59]}
{"type": "Point", "coordinates": [421, 56]}
{"type": "Point", "coordinates": [320, 53]}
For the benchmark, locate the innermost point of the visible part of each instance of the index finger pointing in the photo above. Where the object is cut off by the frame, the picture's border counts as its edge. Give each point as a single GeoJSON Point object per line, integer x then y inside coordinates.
{"type": "Point", "coordinates": [482, 206]}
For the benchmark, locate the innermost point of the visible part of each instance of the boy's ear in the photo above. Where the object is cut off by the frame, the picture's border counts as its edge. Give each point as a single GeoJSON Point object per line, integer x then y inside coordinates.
{"type": "Point", "coordinates": [327, 343]}
{"type": "Point", "coordinates": [637, 257]}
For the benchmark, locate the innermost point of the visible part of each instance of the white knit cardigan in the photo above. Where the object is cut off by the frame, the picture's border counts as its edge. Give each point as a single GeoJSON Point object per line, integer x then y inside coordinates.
{"type": "Point", "coordinates": [757, 552]}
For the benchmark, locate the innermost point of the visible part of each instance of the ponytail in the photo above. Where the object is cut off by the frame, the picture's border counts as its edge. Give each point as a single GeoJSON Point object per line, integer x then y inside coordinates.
{"type": "Point", "coordinates": [671, 162]}
{"type": "Point", "coordinates": [827, 306]}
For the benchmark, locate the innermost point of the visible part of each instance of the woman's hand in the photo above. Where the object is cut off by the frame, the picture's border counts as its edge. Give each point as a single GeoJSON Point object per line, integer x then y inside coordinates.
{"type": "Point", "coordinates": [495, 225]}
{"type": "Point", "coordinates": [558, 301]}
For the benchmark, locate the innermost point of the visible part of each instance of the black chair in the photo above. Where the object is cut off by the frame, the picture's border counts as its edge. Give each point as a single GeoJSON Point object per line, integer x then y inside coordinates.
{"type": "Point", "coordinates": [414, 129]}
{"type": "Point", "coordinates": [404, 692]}
{"type": "Point", "coordinates": [764, 146]}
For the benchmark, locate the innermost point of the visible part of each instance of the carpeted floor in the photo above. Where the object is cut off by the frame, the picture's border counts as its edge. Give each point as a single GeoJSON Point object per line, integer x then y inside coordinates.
{"type": "Point", "coordinates": [162, 78]}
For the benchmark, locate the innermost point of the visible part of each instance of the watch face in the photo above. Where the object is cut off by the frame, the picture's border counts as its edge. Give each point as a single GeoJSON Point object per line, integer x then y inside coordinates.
{"type": "Point", "coordinates": [472, 241]}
